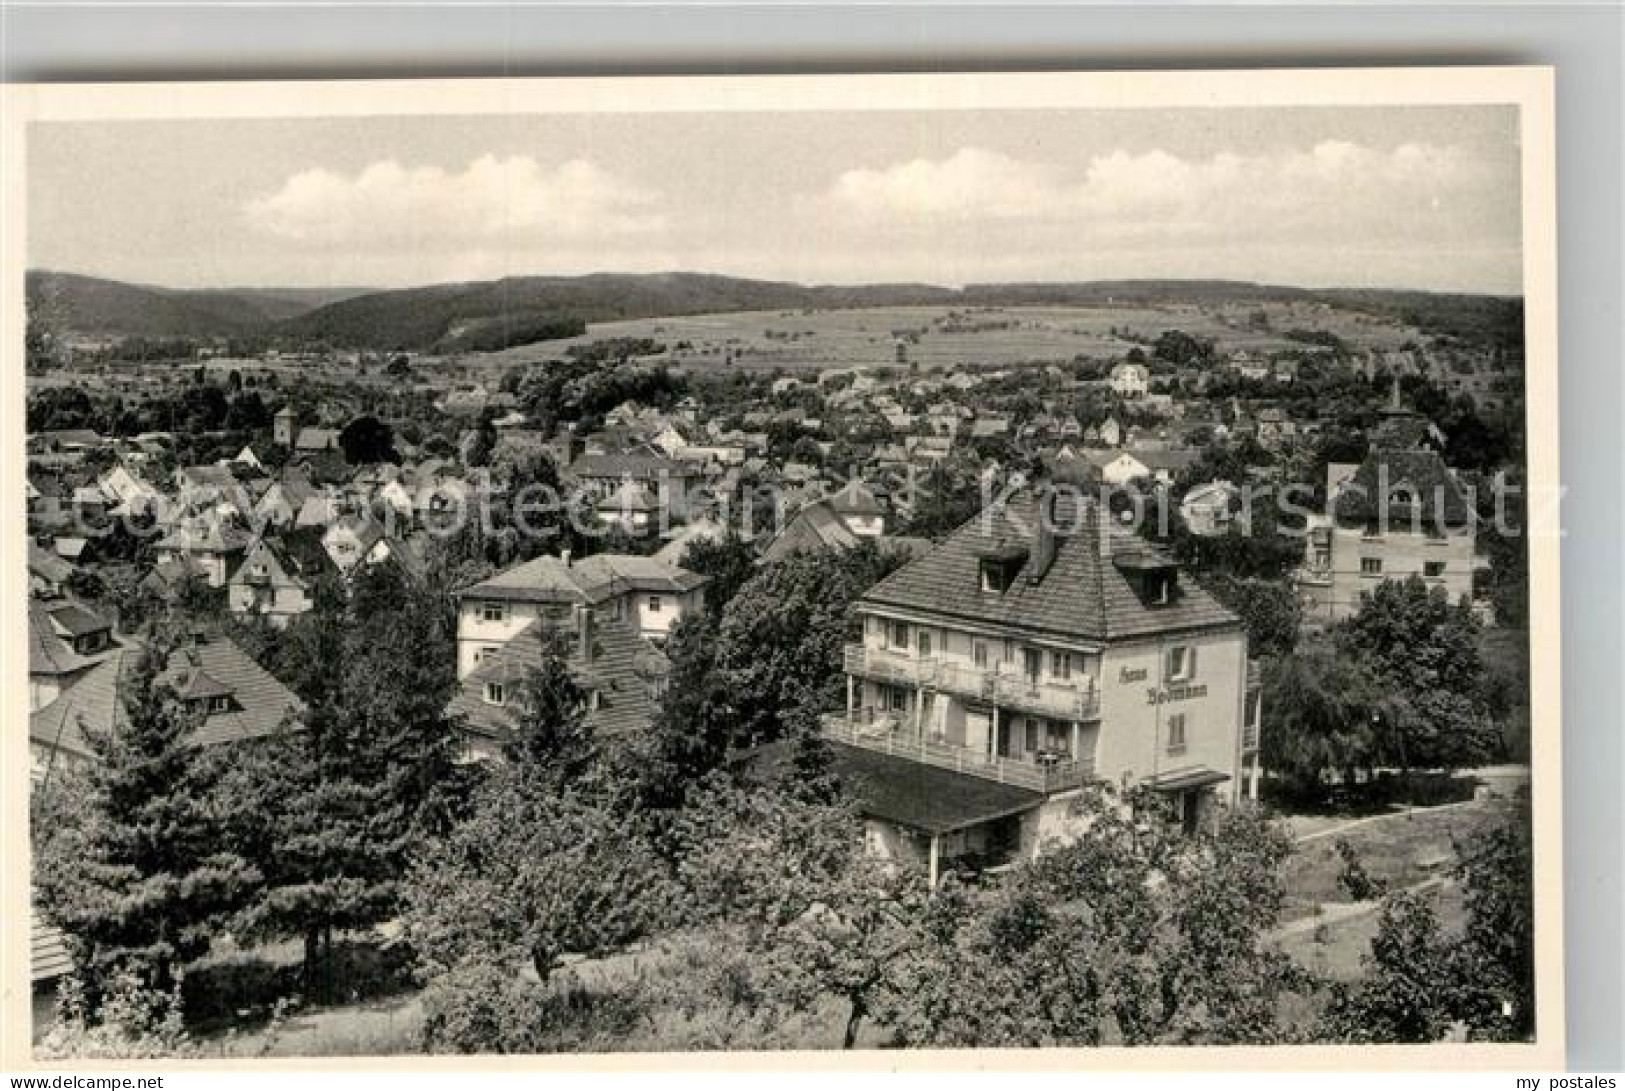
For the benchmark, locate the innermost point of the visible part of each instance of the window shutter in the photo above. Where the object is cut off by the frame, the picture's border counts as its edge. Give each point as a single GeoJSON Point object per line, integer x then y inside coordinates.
{"type": "Point", "coordinates": [1190, 662]}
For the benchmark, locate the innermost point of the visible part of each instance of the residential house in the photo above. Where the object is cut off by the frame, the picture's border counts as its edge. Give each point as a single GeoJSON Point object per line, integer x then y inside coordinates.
{"type": "Point", "coordinates": [213, 543]}
{"type": "Point", "coordinates": [48, 574]}
{"type": "Point", "coordinates": [1207, 509]}
{"type": "Point", "coordinates": [65, 640]}
{"type": "Point", "coordinates": [235, 699]}
{"type": "Point", "coordinates": [277, 579]}
{"type": "Point", "coordinates": [1129, 379]}
{"type": "Point", "coordinates": [621, 674]}
{"type": "Point", "coordinates": [645, 594]}
{"type": "Point", "coordinates": [1401, 513]}
{"type": "Point", "coordinates": [857, 506]}
{"type": "Point", "coordinates": [1025, 658]}
{"type": "Point", "coordinates": [631, 507]}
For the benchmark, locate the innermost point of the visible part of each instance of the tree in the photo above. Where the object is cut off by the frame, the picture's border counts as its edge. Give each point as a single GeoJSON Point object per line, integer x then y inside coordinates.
{"type": "Point", "coordinates": [1134, 930]}
{"type": "Point", "coordinates": [366, 440]}
{"type": "Point", "coordinates": [1407, 992]}
{"type": "Point", "coordinates": [141, 884]}
{"type": "Point", "coordinates": [1270, 612]}
{"type": "Point", "coordinates": [689, 737]}
{"type": "Point", "coordinates": [332, 814]}
{"type": "Point", "coordinates": [728, 563]}
{"type": "Point", "coordinates": [1426, 649]}
{"type": "Point", "coordinates": [1180, 348]}
{"type": "Point", "coordinates": [551, 738]}
{"type": "Point", "coordinates": [1323, 709]}
{"type": "Point", "coordinates": [482, 444]}
{"type": "Point", "coordinates": [531, 875]}
{"type": "Point", "coordinates": [782, 635]}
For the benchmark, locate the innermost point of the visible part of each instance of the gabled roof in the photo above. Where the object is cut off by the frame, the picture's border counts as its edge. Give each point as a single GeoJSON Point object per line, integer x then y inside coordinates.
{"type": "Point", "coordinates": [49, 651]}
{"type": "Point", "coordinates": [621, 670]}
{"type": "Point", "coordinates": [1082, 596]}
{"type": "Point", "coordinates": [588, 581]}
{"type": "Point", "coordinates": [47, 565]}
{"type": "Point", "coordinates": [1438, 498]}
{"type": "Point", "coordinates": [815, 528]}
{"type": "Point", "coordinates": [856, 499]}
{"type": "Point", "coordinates": [219, 667]}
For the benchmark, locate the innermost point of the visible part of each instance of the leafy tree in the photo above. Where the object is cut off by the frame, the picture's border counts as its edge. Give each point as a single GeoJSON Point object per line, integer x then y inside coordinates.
{"type": "Point", "coordinates": [782, 635]}
{"type": "Point", "coordinates": [1270, 611]}
{"type": "Point", "coordinates": [141, 884]}
{"type": "Point", "coordinates": [1426, 649]}
{"type": "Point", "coordinates": [366, 440]}
{"type": "Point", "coordinates": [1183, 349]}
{"type": "Point", "coordinates": [484, 442]}
{"type": "Point", "coordinates": [1499, 945]}
{"type": "Point", "coordinates": [1407, 992]}
{"type": "Point", "coordinates": [531, 875]}
{"type": "Point", "coordinates": [728, 563]}
{"type": "Point", "coordinates": [1324, 708]}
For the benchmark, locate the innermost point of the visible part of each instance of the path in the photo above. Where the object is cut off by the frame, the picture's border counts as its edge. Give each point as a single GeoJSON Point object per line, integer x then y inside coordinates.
{"type": "Point", "coordinates": [1409, 812]}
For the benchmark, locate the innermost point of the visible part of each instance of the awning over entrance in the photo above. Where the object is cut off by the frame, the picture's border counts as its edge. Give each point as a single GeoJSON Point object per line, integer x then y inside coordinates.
{"type": "Point", "coordinates": [1184, 780]}
{"type": "Point", "coordinates": [923, 797]}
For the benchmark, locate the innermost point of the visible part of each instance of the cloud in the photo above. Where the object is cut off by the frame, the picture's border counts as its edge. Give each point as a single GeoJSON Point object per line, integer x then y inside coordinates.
{"type": "Point", "coordinates": [512, 199]}
{"type": "Point", "coordinates": [1333, 190]}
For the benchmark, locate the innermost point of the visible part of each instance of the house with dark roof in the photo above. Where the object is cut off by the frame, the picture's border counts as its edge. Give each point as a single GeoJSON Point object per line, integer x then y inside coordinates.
{"type": "Point", "coordinates": [277, 579]}
{"type": "Point", "coordinates": [213, 543]}
{"type": "Point", "coordinates": [1400, 513]}
{"type": "Point", "coordinates": [66, 639]}
{"type": "Point", "coordinates": [646, 595]}
{"type": "Point", "coordinates": [233, 698]}
{"type": "Point", "coordinates": [1042, 647]}
{"type": "Point", "coordinates": [622, 675]}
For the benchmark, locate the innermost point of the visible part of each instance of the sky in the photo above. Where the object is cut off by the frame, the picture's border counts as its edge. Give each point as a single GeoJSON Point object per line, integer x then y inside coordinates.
{"type": "Point", "coordinates": [1414, 197]}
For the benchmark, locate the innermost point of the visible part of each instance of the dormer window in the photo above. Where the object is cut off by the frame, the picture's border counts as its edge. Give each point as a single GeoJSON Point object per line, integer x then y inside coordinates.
{"type": "Point", "coordinates": [220, 704]}
{"type": "Point", "coordinates": [494, 694]}
{"type": "Point", "coordinates": [997, 568]}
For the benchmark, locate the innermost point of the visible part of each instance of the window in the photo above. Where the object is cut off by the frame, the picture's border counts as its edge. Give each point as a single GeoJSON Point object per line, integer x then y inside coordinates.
{"type": "Point", "coordinates": [494, 694]}
{"type": "Point", "coordinates": [654, 604]}
{"type": "Point", "coordinates": [899, 634]}
{"type": "Point", "coordinates": [1060, 665]}
{"type": "Point", "coordinates": [1433, 569]}
{"type": "Point", "coordinates": [1176, 733]}
{"type": "Point", "coordinates": [897, 698]}
{"type": "Point", "coordinates": [493, 611]}
{"type": "Point", "coordinates": [1032, 736]}
{"type": "Point", "coordinates": [923, 643]}
{"type": "Point", "coordinates": [1058, 739]}
{"type": "Point", "coordinates": [1370, 566]}
{"type": "Point", "coordinates": [1181, 663]}
{"type": "Point", "coordinates": [978, 653]}
{"type": "Point", "coordinates": [220, 704]}
{"type": "Point", "coordinates": [1032, 661]}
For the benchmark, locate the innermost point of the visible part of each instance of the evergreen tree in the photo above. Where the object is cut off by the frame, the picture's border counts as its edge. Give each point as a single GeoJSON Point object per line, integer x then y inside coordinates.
{"type": "Point", "coordinates": [690, 733]}
{"type": "Point", "coordinates": [143, 883]}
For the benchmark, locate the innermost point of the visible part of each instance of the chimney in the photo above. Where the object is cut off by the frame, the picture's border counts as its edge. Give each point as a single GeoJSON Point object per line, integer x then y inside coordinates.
{"type": "Point", "coordinates": [1044, 544]}
{"type": "Point", "coordinates": [584, 634]}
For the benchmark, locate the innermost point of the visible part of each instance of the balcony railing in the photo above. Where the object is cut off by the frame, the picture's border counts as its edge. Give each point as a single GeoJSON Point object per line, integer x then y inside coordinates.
{"type": "Point", "coordinates": [1249, 737]}
{"type": "Point", "coordinates": [1078, 700]}
{"type": "Point", "coordinates": [886, 733]}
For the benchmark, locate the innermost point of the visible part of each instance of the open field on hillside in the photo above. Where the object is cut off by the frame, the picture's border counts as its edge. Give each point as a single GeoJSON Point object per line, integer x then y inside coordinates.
{"type": "Point", "coordinates": [936, 336]}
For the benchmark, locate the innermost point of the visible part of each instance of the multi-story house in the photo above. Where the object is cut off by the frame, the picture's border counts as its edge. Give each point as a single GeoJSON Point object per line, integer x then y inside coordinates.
{"type": "Point", "coordinates": [1025, 658]}
{"type": "Point", "coordinates": [641, 592]}
{"type": "Point", "coordinates": [621, 674]}
{"type": "Point", "coordinates": [212, 543]}
{"type": "Point", "coordinates": [277, 579]}
{"type": "Point", "coordinates": [233, 698]}
{"type": "Point", "coordinates": [65, 641]}
{"type": "Point", "coordinates": [1398, 514]}
{"type": "Point", "coordinates": [1130, 380]}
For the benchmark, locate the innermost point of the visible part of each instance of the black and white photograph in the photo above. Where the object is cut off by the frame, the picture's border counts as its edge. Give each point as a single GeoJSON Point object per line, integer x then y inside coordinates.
{"type": "Point", "coordinates": [749, 565]}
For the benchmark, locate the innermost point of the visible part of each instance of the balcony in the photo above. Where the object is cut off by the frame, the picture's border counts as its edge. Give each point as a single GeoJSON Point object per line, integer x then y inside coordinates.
{"type": "Point", "coordinates": [886, 733]}
{"type": "Point", "coordinates": [1077, 700]}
